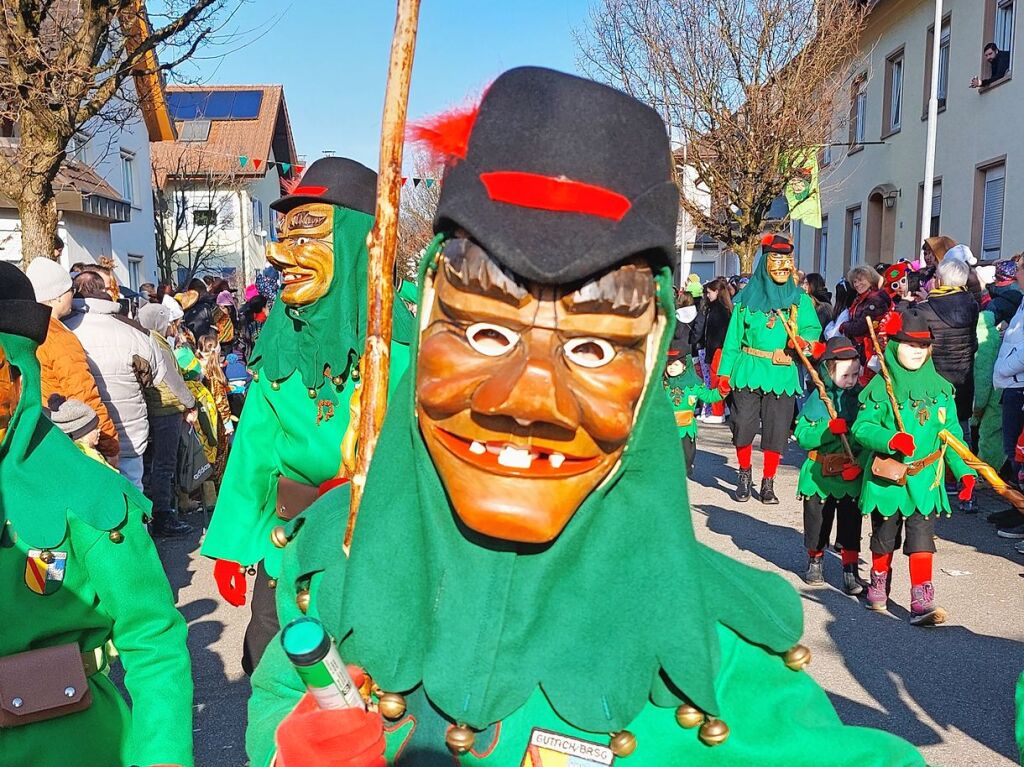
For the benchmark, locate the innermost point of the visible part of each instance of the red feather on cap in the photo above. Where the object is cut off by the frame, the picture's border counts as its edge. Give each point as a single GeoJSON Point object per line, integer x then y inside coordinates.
{"type": "Point", "coordinates": [892, 323]}
{"type": "Point", "coordinates": [445, 136]}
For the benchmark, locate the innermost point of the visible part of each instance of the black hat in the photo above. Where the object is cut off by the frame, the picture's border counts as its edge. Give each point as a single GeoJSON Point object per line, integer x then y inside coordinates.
{"type": "Point", "coordinates": [560, 178]}
{"type": "Point", "coordinates": [776, 243]}
{"type": "Point", "coordinates": [20, 314]}
{"type": "Point", "coordinates": [839, 348]}
{"type": "Point", "coordinates": [910, 326]}
{"type": "Point", "coordinates": [335, 181]}
{"type": "Point", "coordinates": [678, 347]}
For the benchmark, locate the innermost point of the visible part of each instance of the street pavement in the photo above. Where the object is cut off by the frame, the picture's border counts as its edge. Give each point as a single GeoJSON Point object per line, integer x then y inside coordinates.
{"type": "Point", "coordinates": [949, 690]}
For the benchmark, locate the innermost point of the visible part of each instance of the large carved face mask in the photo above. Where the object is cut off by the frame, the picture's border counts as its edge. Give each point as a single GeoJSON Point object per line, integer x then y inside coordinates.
{"type": "Point", "coordinates": [780, 267]}
{"type": "Point", "coordinates": [526, 394]}
{"type": "Point", "coordinates": [10, 391]}
{"type": "Point", "coordinates": [305, 254]}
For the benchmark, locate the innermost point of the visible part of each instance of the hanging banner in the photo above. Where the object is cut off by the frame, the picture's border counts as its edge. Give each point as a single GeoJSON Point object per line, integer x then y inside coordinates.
{"type": "Point", "coordinates": [802, 190]}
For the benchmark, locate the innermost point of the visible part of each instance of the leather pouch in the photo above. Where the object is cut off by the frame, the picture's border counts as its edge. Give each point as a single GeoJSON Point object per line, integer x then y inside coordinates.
{"type": "Point", "coordinates": [42, 684]}
{"type": "Point", "coordinates": [780, 357]}
{"type": "Point", "coordinates": [293, 498]}
{"type": "Point", "coordinates": [832, 465]}
{"type": "Point", "coordinates": [889, 469]}
{"type": "Point", "coordinates": [684, 417]}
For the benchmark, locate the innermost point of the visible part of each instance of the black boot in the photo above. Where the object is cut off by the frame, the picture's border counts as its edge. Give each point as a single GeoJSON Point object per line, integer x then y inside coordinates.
{"type": "Point", "coordinates": [166, 524]}
{"type": "Point", "coordinates": [814, 575]}
{"type": "Point", "coordinates": [744, 480]}
{"type": "Point", "coordinates": [852, 583]}
{"type": "Point", "coordinates": [768, 491]}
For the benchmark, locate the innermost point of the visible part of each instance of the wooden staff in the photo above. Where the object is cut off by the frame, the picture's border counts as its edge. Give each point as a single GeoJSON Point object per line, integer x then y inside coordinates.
{"type": "Point", "coordinates": [382, 244]}
{"type": "Point", "coordinates": [991, 476]}
{"type": "Point", "coordinates": [884, 369]}
{"type": "Point", "coordinates": [818, 383]}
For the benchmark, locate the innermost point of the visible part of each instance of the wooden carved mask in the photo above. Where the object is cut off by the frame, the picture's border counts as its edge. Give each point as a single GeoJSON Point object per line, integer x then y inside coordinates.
{"type": "Point", "coordinates": [780, 267]}
{"type": "Point", "coordinates": [527, 394]}
{"type": "Point", "coordinates": [305, 254]}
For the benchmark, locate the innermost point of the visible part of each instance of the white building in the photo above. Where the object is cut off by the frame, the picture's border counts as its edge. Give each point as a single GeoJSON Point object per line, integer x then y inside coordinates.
{"type": "Point", "coordinates": [218, 178]}
{"type": "Point", "coordinates": [872, 192]}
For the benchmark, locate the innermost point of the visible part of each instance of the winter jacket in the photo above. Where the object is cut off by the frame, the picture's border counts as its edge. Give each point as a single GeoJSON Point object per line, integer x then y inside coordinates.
{"type": "Point", "coordinates": [65, 371]}
{"type": "Point", "coordinates": [716, 322]}
{"type": "Point", "coordinates": [988, 409]}
{"type": "Point", "coordinates": [124, 360]}
{"type": "Point", "coordinates": [201, 317]}
{"type": "Point", "coordinates": [953, 320]}
{"type": "Point", "coordinates": [170, 395]}
{"type": "Point", "coordinates": [1009, 368]}
{"type": "Point", "coordinates": [874, 304]}
{"type": "Point", "coordinates": [1004, 303]}
{"type": "Point", "coordinates": [824, 311]}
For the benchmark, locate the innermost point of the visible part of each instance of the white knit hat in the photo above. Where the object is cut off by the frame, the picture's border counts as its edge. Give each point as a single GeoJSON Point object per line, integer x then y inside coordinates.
{"type": "Point", "coordinates": [49, 279]}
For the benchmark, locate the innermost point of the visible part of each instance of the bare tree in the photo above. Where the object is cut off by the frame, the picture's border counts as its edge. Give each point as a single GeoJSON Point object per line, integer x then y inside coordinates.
{"type": "Point", "coordinates": [416, 215]}
{"type": "Point", "coordinates": [747, 87]}
{"type": "Point", "coordinates": [65, 63]}
{"type": "Point", "coordinates": [191, 211]}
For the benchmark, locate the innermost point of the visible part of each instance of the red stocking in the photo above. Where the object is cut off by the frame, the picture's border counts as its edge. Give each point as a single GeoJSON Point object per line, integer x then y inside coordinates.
{"type": "Point", "coordinates": [743, 456]}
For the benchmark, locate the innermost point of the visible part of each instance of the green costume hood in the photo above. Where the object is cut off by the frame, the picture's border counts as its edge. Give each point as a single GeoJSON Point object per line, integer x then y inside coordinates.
{"type": "Point", "coordinates": [843, 400]}
{"type": "Point", "coordinates": [621, 609]}
{"type": "Point", "coordinates": [330, 332]}
{"type": "Point", "coordinates": [908, 385]}
{"type": "Point", "coordinates": [29, 453]}
{"type": "Point", "coordinates": [685, 380]}
{"type": "Point", "coordinates": [763, 294]}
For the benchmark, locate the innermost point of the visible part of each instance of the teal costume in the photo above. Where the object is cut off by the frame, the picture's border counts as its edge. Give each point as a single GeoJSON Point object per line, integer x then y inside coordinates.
{"type": "Point", "coordinates": [78, 566]}
{"type": "Point", "coordinates": [619, 621]}
{"type": "Point", "coordinates": [812, 434]}
{"type": "Point", "coordinates": [684, 392]}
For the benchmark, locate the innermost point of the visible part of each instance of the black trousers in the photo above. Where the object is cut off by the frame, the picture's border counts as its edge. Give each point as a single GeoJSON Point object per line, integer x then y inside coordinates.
{"type": "Point", "coordinates": [754, 410]}
{"type": "Point", "coordinates": [917, 532]}
{"type": "Point", "coordinates": [820, 513]}
{"type": "Point", "coordinates": [263, 624]}
{"type": "Point", "coordinates": [689, 453]}
{"type": "Point", "coordinates": [160, 461]}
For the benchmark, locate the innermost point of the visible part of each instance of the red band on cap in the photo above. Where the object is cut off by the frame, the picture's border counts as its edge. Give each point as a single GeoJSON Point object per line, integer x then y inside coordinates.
{"type": "Point", "coordinates": [531, 190]}
{"type": "Point", "coordinates": [924, 334]}
{"type": "Point", "coordinates": [310, 191]}
{"type": "Point", "coordinates": [843, 349]}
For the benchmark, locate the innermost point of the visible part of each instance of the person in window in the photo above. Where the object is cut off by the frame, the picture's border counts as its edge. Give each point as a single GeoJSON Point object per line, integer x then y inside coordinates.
{"type": "Point", "coordinates": [998, 60]}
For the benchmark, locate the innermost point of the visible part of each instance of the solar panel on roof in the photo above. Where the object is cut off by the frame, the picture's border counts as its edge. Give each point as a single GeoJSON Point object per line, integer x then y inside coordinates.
{"type": "Point", "coordinates": [247, 105]}
{"type": "Point", "coordinates": [215, 105]}
{"type": "Point", "coordinates": [218, 105]}
{"type": "Point", "coordinates": [185, 105]}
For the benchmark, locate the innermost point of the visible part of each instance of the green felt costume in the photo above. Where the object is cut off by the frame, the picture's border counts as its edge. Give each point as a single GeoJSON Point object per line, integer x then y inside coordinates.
{"type": "Point", "coordinates": [1019, 730]}
{"type": "Point", "coordinates": [110, 591]}
{"type": "Point", "coordinates": [988, 406]}
{"type": "Point", "coordinates": [684, 392]}
{"type": "Point", "coordinates": [812, 433]}
{"type": "Point", "coordinates": [613, 625]}
{"type": "Point", "coordinates": [927, 407]}
{"type": "Point", "coordinates": [284, 431]}
{"type": "Point", "coordinates": [755, 325]}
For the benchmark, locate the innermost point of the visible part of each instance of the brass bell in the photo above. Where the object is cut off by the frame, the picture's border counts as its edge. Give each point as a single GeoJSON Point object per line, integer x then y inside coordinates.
{"type": "Point", "coordinates": [689, 716]}
{"type": "Point", "coordinates": [797, 657]}
{"type": "Point", "coordinates": [312, 393]}
{"type": "Point", "coordinates": [256, 376]}
{"type": "Point", "coordinates": [275, 385]}
{"type": "Point", "coordinates": [392, 705]}
{"type": "Point", "coordinates": [279, 536]}
{"type": "Point", "coordinates": [460, 739]}
{"type": "Point", "coordinates": [302, 600]}
{"type": "Point", "coordinates": [337, 380]}
{"type": "Point", "coordinates": [623, 743]}
{"type": "Point", "coordinates": [355, 373]}
{"type": "Point", "coordinates": [116, 536]}
{"type": "Point", "coordinates": [47, 556]}
{"type": "Point", "coordinates": [714, 732]}
{"type": "Point", "coordinates": [272, 583]}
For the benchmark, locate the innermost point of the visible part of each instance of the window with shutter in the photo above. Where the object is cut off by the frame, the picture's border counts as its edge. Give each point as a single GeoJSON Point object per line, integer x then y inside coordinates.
{"type": "Point", "coordinates": [992, 221]}
{"type": "Point", "coordinates": [933, 227]}
{"type": "Point", "coordinates": [943, 65]}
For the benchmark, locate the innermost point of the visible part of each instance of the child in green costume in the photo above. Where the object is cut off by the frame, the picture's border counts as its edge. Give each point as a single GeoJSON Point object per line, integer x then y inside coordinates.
{"type": "Point", "coordinates": [905, 491]}
{"type": "Point", "coordinates": [79, 570]}
{"type": "Point", "coordinates": [685, 389]}
{"type": "Point", "coordinates": [522, 586]}
{"type": "Point", "coordinates": [829, 480]}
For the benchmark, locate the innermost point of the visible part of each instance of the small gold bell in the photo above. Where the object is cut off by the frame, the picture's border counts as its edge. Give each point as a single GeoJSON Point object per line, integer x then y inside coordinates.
{"type": "Point", "coordinates": [279, 536]}
{"type": "Point", "coordinates": [391, 705]}
{"type": "Point", "coordinates": [714, 732]}
{"type": "Point", "coordinates": [623, 743]}
{"type": "Point", "coordinates": [272, 583]}
{"type": "Point", "coordinates": [275, 385]}
{"type": "Point", "coordinates": [116, 536]}
{"type": "Point", "coordinates": [302, 600]}
{"type": "Point", "coordinates": [47, 556]}
{"type": "Point", "coordinates": [797, 657]}
{"type": "Point", "coordinates": [460, 739]}
{"type": "Point", "coordinates": [337, 380]}
{"type": "Point", "coordinates": [689, 716]}
{"type": "Point", "coordinates": [312, 393]}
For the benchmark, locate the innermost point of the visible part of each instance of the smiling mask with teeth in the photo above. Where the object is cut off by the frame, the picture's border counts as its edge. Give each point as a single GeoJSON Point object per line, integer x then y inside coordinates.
{"type": "Point", "coordinates": [527, 394]}
{"type": "Point", "coordinates": [305, 253]}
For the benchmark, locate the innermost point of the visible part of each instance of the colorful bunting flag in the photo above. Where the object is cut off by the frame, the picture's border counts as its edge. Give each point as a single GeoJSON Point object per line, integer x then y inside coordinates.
{"type": "Point", "coordinates": [285, 167]}
{"type": "Point", "coordinates": [243, 160]}
{"type": "Point", "coordinates": [256, 163]}
{"type": "Point", "coordinates": [404, 179]}
{"type": "Point", "coordinates": [299, 169]}
{"type": "Point", "coordinates": [416, 182]}
{"type": "Point", "coordinates": [430, 182]}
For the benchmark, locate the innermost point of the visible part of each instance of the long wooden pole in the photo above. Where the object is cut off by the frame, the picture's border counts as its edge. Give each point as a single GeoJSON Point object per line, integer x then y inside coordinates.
{"type": "Point", "coordinates": [818, 383]}
{"type": "Point", "coordinates": [991, 476]}
{"type": "Point", "coordinates": [382, 244]}
{"type": "Point", "coordinates": [884, 369]}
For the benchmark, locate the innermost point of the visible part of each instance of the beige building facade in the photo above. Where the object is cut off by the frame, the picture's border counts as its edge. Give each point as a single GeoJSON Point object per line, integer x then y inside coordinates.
{"type": "Point", "coordinates": [872, 175]}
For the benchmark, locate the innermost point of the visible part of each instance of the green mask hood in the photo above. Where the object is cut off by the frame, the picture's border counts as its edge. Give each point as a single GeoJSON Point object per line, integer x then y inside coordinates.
{"type": "Point", "coordinates": [763, 294]}
{"type": "Point", "coordinates": [908, 385]}
{"type": "Point", "coordinates": [32, 447]}
{"type": "Point", "coordinates": [688, 378]}
{"type": "Point", "coordinates": [620, 610]}
{"type": "Point", "coordinates": [844, 400]}
{"type": "Point", "coordinates": [330, 333]}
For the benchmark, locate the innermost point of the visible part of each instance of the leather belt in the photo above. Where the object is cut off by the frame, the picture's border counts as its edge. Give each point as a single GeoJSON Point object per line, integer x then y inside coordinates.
{"type": "Point", "coordinates": [820, 457]}
{"type": "Point", "coordinates": [916, 467]}
{"type": "Point", "coordinates": [778, 356]}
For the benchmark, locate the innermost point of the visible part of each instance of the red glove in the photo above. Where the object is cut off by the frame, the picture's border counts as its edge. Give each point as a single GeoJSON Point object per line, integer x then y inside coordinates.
{"type": "Point", "coordinates": [967, 491]}
{"type": "Point", "coordinates": [851, 472]}
{"type": "Point", "coordinates": [723, 386]}
{"type": "Point", "coordinates": [340, 737]}
{"type": "Point", "coordinates": [230, 577]}
{"type": "Point", "coordinates": [902, 443]}
{"type": "Point", "coordinates": [838, 426]}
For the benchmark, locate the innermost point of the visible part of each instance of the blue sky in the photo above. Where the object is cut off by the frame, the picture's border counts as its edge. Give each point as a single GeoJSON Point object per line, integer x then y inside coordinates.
{"type": "Point", "coordinates": [331, 56]}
